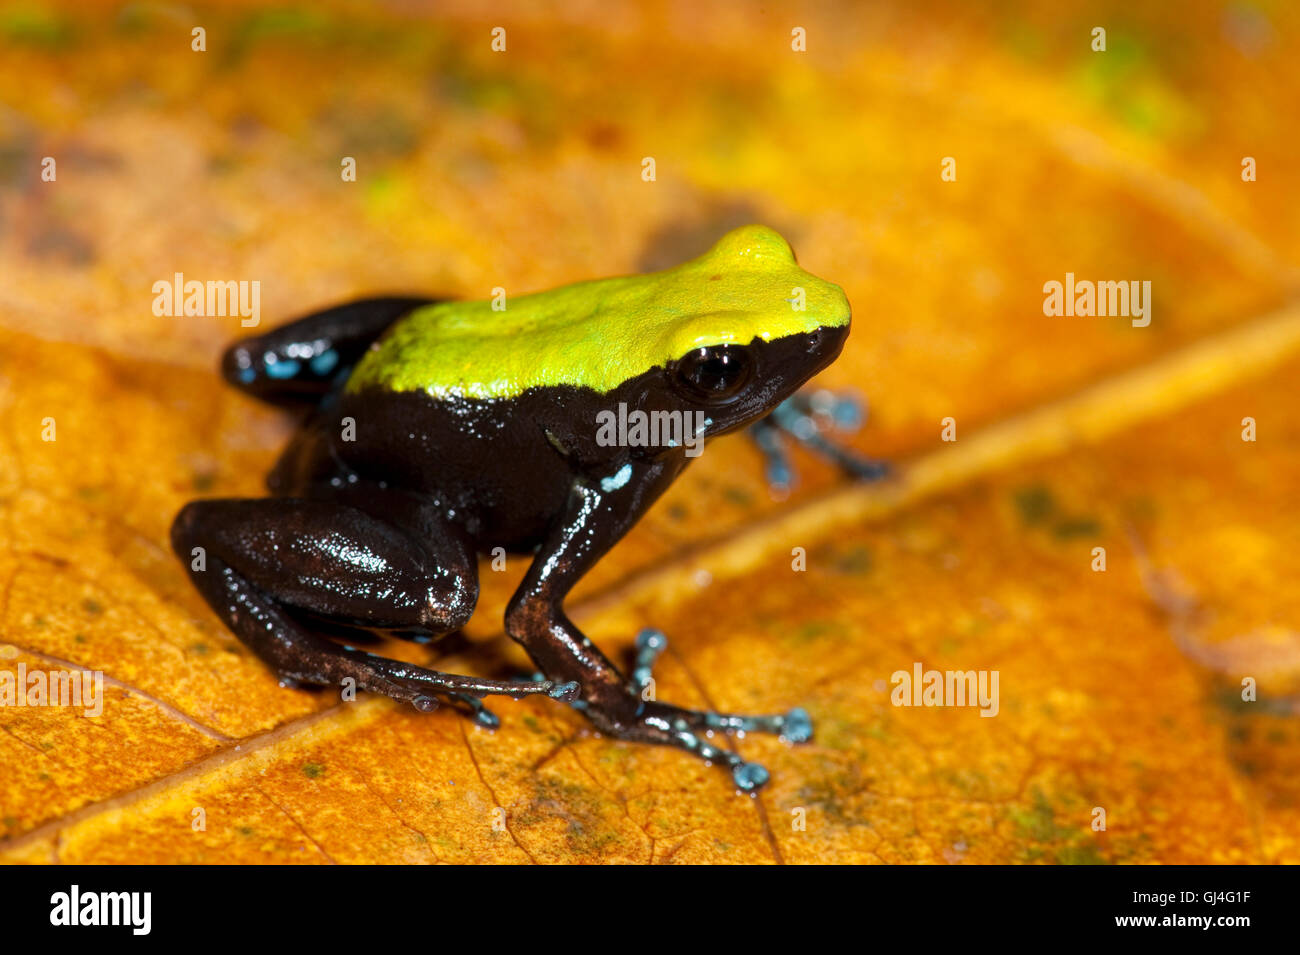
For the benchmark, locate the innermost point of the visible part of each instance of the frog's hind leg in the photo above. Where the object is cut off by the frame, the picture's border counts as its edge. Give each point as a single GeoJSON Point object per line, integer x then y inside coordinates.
{"type": "Point", "coordinates": [260, 562]}
{"type": "Point", "coordinates": [298, 363]}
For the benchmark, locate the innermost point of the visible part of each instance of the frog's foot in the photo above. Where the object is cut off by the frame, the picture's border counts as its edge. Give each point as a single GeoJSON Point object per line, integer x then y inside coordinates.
{"type": "Point", "coordinates": [808, 419]}
{"type": "Point", "coordinates": [637, 716]}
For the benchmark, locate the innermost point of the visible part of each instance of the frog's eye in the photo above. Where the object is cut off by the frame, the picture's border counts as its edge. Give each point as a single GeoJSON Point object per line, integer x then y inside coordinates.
{"type": "Point", "coordinates": [715, 373]}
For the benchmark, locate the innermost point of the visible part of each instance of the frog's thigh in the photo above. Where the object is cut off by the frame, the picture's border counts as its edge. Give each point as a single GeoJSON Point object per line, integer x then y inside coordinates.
{"type": "Point", "coordinates": [260, 556]}
{"type": "Point", "coordinates": [335, 560]}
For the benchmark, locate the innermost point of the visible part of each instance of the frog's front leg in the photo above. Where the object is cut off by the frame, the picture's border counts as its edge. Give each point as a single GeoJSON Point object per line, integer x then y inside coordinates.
{"type": "Point", "coordinates": [597, 515]}
{"type": "Point", "coordinates": [808, 418]}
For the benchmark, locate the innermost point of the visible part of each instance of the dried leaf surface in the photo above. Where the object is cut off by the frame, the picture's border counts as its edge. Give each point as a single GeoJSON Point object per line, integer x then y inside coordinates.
{"type": "Point", "coordinates": [1118, 689]}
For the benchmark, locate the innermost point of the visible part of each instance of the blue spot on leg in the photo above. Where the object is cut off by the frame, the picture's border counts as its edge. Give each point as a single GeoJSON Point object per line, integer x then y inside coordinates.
{"type": "Point", "coordinates": [616, 480]}
{"type": "Point", "coordinates": [280, 370]}
{"type": "Point", "coordinates": [325, 362]}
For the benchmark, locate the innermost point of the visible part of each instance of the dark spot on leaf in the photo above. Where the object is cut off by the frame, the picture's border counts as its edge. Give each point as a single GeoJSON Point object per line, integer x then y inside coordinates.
{"type": "Point", "coordinates": [18, 162]}
{"type": "Point", "coordinates": [1072, 527]}
{"type": "Point", "coordinates": [856, 560]}
{"type": "Point", "coordinates": [738, 496]}
{"type": "Point", "coordinates": [1035, 503]}
{"type": "Point", "coordinates": [60, 244]}
{"type": "Point", "coordinates": [31, 25]}
{"type": "Point", "coordinates": [1080, 855]}
{"type": "Point", "coordinates": [603, 136]}
{"type": "Point", "coordinates": [812, 629]}
{"type": "Point", "coordinates": [222, 164]}
{"type": "Point", "coordinates": [1063, 844]}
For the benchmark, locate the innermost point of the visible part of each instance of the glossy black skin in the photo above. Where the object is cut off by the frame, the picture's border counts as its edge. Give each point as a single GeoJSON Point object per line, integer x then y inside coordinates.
{"type": "Point", "coordinates": [382, 532]}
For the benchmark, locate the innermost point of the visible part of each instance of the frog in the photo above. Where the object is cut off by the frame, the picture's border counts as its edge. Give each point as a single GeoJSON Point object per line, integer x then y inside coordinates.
{"type": "Point", "coordinates": [433, 432]}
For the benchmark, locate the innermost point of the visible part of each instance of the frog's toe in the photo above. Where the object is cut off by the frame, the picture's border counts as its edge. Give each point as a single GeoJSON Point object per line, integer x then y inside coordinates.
{"type": "Point", "coordinates": [797, 726]}
{"type": "Point", "coordinates": [864, 469]}
{"type": "Point", "coordinates": [479, 713]}
{"type": "Point", "coordinates": [566, 692]}
{"type": "Point", "coordinates": [750, 776]}
{"type": "Point", "coordinates": [649, 644]}
{"type": "Point", "coordinates": [794, 726]}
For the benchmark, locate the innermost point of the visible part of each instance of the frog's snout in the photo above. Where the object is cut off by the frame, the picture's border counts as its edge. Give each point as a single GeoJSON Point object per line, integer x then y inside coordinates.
{"type": "Point", "coordinates": [825, 343]}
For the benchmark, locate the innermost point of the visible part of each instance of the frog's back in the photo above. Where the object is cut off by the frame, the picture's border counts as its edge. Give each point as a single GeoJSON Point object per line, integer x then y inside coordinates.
{"type": "Point", "coordinates": [601, 333]}
{"type": "Point", "coordinates": [476, 350]}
